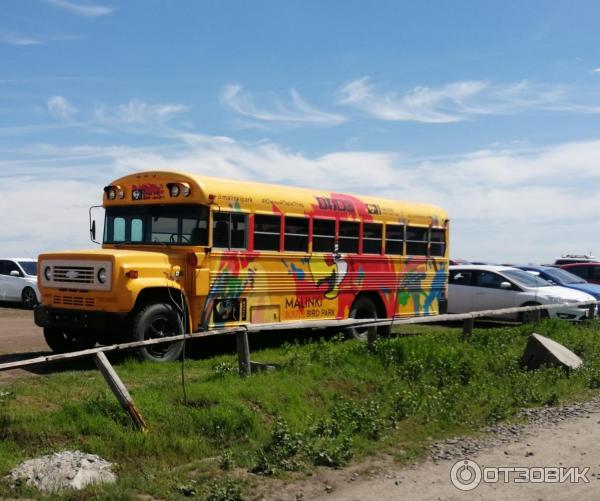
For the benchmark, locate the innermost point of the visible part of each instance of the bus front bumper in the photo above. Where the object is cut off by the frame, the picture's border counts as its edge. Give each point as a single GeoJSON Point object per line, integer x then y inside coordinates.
{"type": "Point", "coordinates": [99, 321]}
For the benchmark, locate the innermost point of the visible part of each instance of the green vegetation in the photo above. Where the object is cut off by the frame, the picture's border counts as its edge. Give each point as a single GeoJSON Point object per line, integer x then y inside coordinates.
{"type": "Point", "coordinates": [331, 401]}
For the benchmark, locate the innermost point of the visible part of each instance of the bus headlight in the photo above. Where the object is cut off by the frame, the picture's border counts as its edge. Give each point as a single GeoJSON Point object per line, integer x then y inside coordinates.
{"type": "Point", "coordinates": [174, 190]}
{"type": "Point", "coordinates": [111, 194]}
{"type": "Point", "coordinates": [101, 275]}
{"type": "Point", "coordinates": [48, 273]}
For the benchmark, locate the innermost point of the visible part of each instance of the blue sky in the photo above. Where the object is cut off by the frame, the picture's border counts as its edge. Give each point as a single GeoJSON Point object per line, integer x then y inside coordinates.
{"type": "Point", "coordinates": [489, 110]}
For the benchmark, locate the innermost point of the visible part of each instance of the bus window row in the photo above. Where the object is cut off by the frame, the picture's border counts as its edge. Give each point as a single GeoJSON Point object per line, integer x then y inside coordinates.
{"type": "Point", "coordinates": [274, 233]}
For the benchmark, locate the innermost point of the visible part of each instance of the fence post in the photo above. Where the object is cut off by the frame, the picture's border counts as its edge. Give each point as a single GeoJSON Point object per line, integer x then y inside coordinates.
{"type": "Point", "coordinates": [468, 324]}
{"type": "Point", "coordinates": [536, 316]}
{"type": "Point", "coordinates": [243, 349]}
{"type": "Point", "coordinates": [591, 311]}
{"type": "Point", "coordinates": [119, 389]}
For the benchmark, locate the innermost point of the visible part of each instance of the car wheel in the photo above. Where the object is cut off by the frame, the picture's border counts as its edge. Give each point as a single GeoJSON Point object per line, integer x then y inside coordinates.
{"type": "Point", "coordinates": [156, 321]}
{"type": "Point", "coordinates": [63, 340]}
{"type": "Point", "coordinates": [363, 307]}
{"type": "Point", "coordinates": [28, 298]}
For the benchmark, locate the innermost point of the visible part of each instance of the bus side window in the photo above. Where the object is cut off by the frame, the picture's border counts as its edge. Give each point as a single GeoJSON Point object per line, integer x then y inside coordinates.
{"type": "Point", "coordinates": [323, 235]}
{"type": "Point", "coordinates": [296, 234]}
{"type": "Point", "coordinates": [238, 226]}
{"type": "Point", "coordinates": [221, 230]}
{"type": "Point", "coordinates": [267, 230]}
{"type": "Point", "coordinates": [416, 240]}
{"type": "Point", "coordinates": [229, 230]}
{"type": "Point", "coordinates": [438, 242]}
{"type": "Point", "coordinates": [348, 237]}
{"type": "Point", "coordinates": [372, 233]}
{"type": "Point", "coordinates": [394, 239]}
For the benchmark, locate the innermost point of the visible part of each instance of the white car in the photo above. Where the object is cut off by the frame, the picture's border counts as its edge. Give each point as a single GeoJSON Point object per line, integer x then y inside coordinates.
{"type": "Point", "coordinates": [476, 288]}
{"type": "Point", "coordinates": [18, 281]}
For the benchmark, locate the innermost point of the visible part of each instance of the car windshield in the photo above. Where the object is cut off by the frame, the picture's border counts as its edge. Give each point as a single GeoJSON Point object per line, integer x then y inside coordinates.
{"type": "Point", "coordinates": [30, 267]}
{"type": "Point", "coordinates": [157, 224]}
{"type": "Point", "coordinates": [525, 279]}
{"type": "Point", "coordinates": [564, 277]}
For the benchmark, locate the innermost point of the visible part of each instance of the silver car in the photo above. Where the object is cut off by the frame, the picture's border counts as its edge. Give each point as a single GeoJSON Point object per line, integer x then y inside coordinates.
{"type": "Point", "coordinates": [479, 287]}
{"type": "Point", "coordinates": [18, 281]}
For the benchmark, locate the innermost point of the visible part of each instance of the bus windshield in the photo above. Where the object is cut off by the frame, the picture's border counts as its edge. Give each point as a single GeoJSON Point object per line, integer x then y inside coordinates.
{"type": "Point", "coordinates": [156, 225]}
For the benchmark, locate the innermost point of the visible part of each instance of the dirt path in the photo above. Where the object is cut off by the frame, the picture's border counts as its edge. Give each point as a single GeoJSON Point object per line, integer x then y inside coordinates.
{"type": "Point", "coordinates": [556, 441]}
{"type": "Point", "coordinates": [19, 338]}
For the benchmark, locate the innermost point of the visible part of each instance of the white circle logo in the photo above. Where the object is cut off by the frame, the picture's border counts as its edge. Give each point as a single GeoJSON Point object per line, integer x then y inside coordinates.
{"type": "Point", "coordinates": [465, 475]}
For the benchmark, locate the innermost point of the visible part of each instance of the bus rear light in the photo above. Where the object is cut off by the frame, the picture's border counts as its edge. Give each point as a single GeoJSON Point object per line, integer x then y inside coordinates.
{"type": "Point", "coordinates": [132, 274]}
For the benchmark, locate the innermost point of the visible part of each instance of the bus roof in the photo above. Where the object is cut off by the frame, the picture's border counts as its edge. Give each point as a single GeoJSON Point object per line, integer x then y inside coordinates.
{"type": "Point", "coordinates": [153, 187]}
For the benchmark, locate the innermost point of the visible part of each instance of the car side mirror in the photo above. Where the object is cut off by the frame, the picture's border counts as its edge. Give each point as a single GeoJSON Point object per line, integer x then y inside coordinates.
{"type": "Point", "coordinates": [505, 285]}
{"type": "Point", "coordinates": [15, 273]}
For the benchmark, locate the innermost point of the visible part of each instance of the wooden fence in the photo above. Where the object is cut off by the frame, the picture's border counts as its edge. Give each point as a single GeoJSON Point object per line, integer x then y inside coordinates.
{"type": "Point", "coordinates": [243, 347]}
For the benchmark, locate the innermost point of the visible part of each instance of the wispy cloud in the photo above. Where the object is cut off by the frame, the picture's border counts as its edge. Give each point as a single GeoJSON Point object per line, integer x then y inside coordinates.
{"type": "Point", "coordinates": [137, 116]}
{"type": "Point", "coordinates": [60, 108]}
{"type": "Point", "coordinates": [16, 39]}
{"type": "Point", "coordinates": [297, 111]}
{"type": "Point", "coordinates": [596, 70]}
{"type": "Point", "coordinates": [82, 9]}
{"type": "Point", "coordinates": [458, 101]}
{"type": "Point", "coordinates": [24, 40]}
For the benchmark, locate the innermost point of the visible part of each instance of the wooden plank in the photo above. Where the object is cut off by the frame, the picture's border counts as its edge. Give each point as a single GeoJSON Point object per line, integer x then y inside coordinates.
{"type": "Point", "coordinates": [120, 391]}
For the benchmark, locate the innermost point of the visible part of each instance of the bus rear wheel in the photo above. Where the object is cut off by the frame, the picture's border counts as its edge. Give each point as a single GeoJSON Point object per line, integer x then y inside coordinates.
{"type": "Point", "coordinates": [63, 340]}
{"type": "Point", "coordinates": [157, 321]}
{"type": "Point", "coordinates": [363, 307]}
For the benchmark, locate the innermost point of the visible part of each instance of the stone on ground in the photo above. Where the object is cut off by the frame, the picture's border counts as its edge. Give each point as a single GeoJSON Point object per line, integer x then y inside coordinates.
{"type": "Point", "coordinates": [63, 470]}
{"type": "Point", "coordinates": [542, 351]}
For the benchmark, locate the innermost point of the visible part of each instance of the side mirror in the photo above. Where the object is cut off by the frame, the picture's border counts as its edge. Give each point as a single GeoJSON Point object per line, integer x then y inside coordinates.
{"type": "Point", "coordinates": [505, 285]}
{"type": "Point", "coordinates": [93, 222]}
{"type": "Point", "coordinates": [15, 273]}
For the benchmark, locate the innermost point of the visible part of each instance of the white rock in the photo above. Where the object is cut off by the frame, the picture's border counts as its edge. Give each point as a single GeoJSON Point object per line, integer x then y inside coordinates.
{"type": "Point", "coordinates": [63, 470]}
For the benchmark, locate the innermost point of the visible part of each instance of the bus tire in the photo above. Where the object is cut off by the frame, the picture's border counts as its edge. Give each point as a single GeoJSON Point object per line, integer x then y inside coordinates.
{"type": "Point", "coordinates": [63, 340]}
{"type": "Point", "coordinates": [158, 320]}
{"type": "Point", "coordinates": [362, 307]}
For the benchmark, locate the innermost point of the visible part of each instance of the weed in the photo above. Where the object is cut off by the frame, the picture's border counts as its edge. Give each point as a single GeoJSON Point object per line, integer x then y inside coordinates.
{"type": "Point", "coordinates": [226, 489]}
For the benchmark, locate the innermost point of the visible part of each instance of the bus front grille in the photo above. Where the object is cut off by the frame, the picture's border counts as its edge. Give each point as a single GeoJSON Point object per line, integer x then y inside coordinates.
{"type": "Point", "coordinates": [88, 302]}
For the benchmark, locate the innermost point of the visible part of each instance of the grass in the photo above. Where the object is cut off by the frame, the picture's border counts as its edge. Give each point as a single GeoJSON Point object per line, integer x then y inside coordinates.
{"type": "Point", "coordinates": [331, 402]}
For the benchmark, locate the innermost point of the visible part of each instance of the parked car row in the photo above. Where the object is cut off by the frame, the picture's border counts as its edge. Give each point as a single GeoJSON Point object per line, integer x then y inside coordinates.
{"type": "Point", "coordinates": [18, 281]}
{"type": "Point", "coordinates": [478, 287]}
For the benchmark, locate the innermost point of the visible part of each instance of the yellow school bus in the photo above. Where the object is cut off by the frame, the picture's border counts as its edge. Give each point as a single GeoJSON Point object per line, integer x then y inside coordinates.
{"type": "Point", "coordinates": [185, 253]}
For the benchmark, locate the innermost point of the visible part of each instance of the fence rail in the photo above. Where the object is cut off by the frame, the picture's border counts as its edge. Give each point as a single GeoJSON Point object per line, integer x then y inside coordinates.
{"type": "Point", "coordinates": [308, 324]}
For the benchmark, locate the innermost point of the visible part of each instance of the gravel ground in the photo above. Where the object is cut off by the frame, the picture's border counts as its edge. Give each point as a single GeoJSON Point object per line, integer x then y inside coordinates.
{"type": "Point", "coordinates": [561, 436]}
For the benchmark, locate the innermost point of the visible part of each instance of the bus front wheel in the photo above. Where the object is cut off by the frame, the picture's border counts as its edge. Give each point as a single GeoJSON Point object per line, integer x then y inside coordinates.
{"type": "Point", "coordinates": [63, 340]}
{"type": "Point", "coordinates": [157, 321]}
{"type": "Point", "coordinates": [363, 307]}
